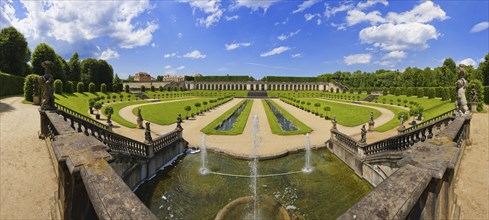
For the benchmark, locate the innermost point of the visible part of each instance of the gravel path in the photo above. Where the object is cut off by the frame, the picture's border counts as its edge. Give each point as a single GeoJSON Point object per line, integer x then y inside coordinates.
{"type": "Point", "coordinates": [472, 182]}
{"type": "Point", "coordinates": [28, 181]}
{"type": "Point", "coordinates": [270, 144]}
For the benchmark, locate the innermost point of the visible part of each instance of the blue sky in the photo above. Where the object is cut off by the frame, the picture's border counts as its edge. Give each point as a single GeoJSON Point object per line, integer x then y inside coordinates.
{"type": "Point", "coordinates": [257, 38]}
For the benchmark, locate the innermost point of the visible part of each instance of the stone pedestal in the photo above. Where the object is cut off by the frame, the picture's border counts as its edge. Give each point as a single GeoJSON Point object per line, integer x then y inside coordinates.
{"type": "Point", "coordinates": [473, 106]}
{"type": "Point", "coordinates": [371, 126]}
{"type": "Point", "coordinates": [400, 129]}
{"type": "Point", "coordinates": [36, 100]}
{"type": "Point", "coordinates": [139, 124]}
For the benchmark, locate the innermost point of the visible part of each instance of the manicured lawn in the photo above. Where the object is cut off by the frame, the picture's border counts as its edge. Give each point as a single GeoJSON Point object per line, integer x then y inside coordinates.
{"type": "Point", "coordinates": [346, 115]}
{"type": "Point", "coordinates": [79, 101]}
{"type": "Point", "coordinates": [238, 126]}
{"type": "Point", "coordinates": [393, 123]}
{"type": "Point", "coordinates": [432, 107]}
{"type": "Point", "coordinates": [275, 126]}
{"type": "Point", "coordinates": [117, 107]}
{"type": "Point", "coordinates": [167, 113]}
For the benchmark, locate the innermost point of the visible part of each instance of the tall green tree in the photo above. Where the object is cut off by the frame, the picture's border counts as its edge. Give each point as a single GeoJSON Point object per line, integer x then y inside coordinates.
{"type": "Point", "coordinates": [89, 71]}
{"type": "Point", "coordinates": [61, 68]}
{"type": "Point", "coordinates": [117, 84]}
{"type": "Point", "coordinates": [43, 52]}
{"type": "Point", "coordinates": [484, 70]}
{"type": "Point", "coordinates": [106, 73]}
{"type": "Point", "coordinates": [74, 64]}
{"type": "Point", "coordinates": [14, 53]}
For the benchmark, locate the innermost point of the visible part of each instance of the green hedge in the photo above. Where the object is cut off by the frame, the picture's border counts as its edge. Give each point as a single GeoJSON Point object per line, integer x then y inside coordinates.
{"type": "Point", "coordinates": [10, 84]}
{"type": "Point", "coordinates": [486, 94]}
{"type": "Point", "coordinates": [31, 81]}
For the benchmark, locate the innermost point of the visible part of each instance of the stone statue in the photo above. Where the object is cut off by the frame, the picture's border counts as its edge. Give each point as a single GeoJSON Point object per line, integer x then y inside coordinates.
{"type": "Point", "coordinates": [474, 95]}
{"type": "Point", "coordinates": [461, 85]}
{"type": "Point", "coordinates": [333, 120]}
{"type": "Point", "coordinates": [371, 123]}
{"type": "Point", "coordinates": [401, 118]}
{"type": "Point", "coordinates": [109, 122]}
{"type": "Point", "coordinates": [147, 134]}
{"type": "Point", "coordinates": [46, 81]}
{"type": "Point", "coordinates": [179, 122]}
{"type": "Point", "coordinates": [372, 116]}
{"type": "Point", "coordinates": [140, 119]}
{"type": "Point", "coordinates": [364, 135]}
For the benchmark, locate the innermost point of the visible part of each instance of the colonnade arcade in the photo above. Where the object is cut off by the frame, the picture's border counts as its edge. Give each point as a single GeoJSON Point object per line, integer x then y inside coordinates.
{"type": "Point", "coordinates": [258, 86]}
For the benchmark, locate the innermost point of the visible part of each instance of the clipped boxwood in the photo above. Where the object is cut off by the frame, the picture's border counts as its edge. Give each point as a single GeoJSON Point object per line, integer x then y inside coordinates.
{"type": "Point", "coordinates": [58, 86]}
{"type": "Point", "coordinates": [30, 83]}
{"type": "Point", "coordinates": [91, 87]}
{"type": "Point", "coordinates": [103, 88]}
{"type": "Point", "coordinates": [79, 87]}
{"type": "Point", "coordinates": [70, 87]}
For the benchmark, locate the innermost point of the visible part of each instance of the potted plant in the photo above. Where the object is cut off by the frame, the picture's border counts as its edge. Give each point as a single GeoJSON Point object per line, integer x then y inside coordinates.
{"type": "Point", "coordinates": [97, 107]}
{"type": "Point", "coordinates": [109, 111]}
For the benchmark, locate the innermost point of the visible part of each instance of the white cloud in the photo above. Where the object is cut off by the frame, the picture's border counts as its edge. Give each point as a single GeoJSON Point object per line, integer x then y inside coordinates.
{"type": "Point", "coordinates": [210, 7]}
{"type": "Point", "coordinates": [230, 18]}
{"type": "Point", "coordinates": [179, 35]}
{"type": "Point", "coordinates": [369, 3]}
{"type": "Point", "coordinates": [318, 21]}
{"type": "Point", "coordinates": [397, 54]}
{"type": "Point", "coordinates": [167, 67]}
{"type": "Point", "coordinates": [283, 37]}
{"type": "Point", "coordinates": [309, 17]}
{"type": "Point", "coordinates": [180, 68]}
{"type": "Point", "coordinates": [275, 51]}
{"type": "Point", "coordinates": [194, 55]}
{"type": "Point", "coordinates": [392, 58]}
{"type": "Point", "coordinates": [297, 55]}
{"type": "Point", "coordinates": [468, 62]}
{"type": "Point", "coordinates": [305, 5]}
{"type": "Point", "coordinates": [255, 4]}
{"type": "Point", "coordinates": [169, 55]}
{"type": "Point", "coordinates": [480, 27]}
{"type": "Point", "coordinates": [153, 45]}
{"type": "Point", "coordinates": [399, 36]}
{"type": "Point", "coordinates": [482, 59]}
{"type": "Point", "coordinates": [108, 54]}
{"type": "Point", "coordinates": [73, 21]}
{"type": "Point", "coordinates": [422, 13]}
{"type": "Point", "coordinates": [236, 45]}
{"type": "Point", "coordinates": [331, 11]}
{"type": "Point", "coordinates": [355, 16]}
{"type": "Point", "coordinates": [358, 59]}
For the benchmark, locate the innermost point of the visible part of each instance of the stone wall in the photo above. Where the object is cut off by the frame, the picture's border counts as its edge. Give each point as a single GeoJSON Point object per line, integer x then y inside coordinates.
{"type": "Point", "coordinates": [422, 188]}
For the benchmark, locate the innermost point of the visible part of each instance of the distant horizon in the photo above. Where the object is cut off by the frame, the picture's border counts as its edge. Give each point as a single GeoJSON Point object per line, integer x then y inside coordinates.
{"type": "Point", "coordinates": [256, 38]}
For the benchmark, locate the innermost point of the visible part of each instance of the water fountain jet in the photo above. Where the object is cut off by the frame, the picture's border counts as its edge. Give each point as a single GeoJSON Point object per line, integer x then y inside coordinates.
{"type": "Point", "coordinates": [203, 156]}
{"type": "Point", "coordinates": [307, 164]}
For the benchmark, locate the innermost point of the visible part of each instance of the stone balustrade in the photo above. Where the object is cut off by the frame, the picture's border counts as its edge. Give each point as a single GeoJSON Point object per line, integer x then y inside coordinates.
{"type": "Point", "coordinates": [98, 169]}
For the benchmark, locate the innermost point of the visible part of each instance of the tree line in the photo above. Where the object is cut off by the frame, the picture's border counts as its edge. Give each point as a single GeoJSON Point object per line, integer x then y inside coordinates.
{"type": "Point", "coordinates": [16, 59]}
{"type": "Point", "coordinates": [442, 76]}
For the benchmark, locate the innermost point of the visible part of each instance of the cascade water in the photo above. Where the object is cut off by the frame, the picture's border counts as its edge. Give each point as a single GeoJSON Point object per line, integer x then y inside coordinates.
{"type": "Point", "coordinates": [254, 166]}
{"type": "Point", "coordinates": [203, 157]}
{"type": "Point", "coordinates": [307, 165]}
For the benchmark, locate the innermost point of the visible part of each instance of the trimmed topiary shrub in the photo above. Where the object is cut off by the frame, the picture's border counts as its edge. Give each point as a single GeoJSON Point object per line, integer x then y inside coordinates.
{"type": "Point", "coordinates": [126, 88]}
{"type": "Point", "coordinates": [91, 87]}
{"type": "Point", "coordinates": [152, 88]}
{"type": "Point", "coordinates": [160, 88]}
{"type": "Point", "coordinates": [10, 84]}
{"type": "Point", "coordinates": [431, 93]}
{"type": "Point", "coordinates": [420, 93]}
{"type": "Point", "coordinates": [103, 88]}
{"type": "Point", "coordinates": [397, 91]}
{"type": "Point", "coordinates": [143, 88]}
{"type": "Point", "coordinates": [30, 84]}
{"type": "Point", "coordinates": [70, 87]}
{"type": "Point", "coordinates": [58, 86]}
{"type": "Point", "coordinates": [79, 87]}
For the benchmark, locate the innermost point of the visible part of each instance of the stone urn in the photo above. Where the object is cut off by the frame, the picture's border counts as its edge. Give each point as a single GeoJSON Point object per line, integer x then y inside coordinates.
{"type": "Point", "coordinates": [36, 100]}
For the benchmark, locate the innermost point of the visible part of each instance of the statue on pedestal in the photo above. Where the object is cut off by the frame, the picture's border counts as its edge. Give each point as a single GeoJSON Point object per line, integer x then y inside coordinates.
{"type": "Point", "coordinates": [333, 120]}
{"type": "Point", "coordinates": [461, 85]}
{"type": "Point", "coordinates": [371, 123]}
{"type": "Point", "coordinates": [179, 122]}
{"type": "Point", "coordinates": [475, 99]}
{"type": "Point", "coordinates": [140, 119]}
{"type": "Point", "coordinates": [46, 81]}
{"type": "Point", "coordinates": [364, 135]}
{"type": "Point", "coordinates": [147, 134]}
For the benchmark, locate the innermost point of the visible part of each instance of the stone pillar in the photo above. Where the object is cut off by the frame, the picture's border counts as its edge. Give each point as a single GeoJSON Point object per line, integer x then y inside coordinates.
{"type": "Point", "coordinates": [44, 124]}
